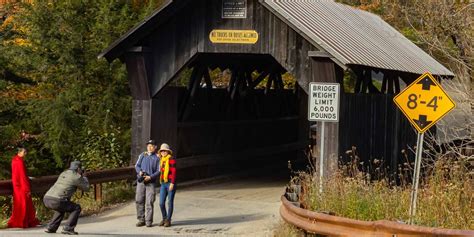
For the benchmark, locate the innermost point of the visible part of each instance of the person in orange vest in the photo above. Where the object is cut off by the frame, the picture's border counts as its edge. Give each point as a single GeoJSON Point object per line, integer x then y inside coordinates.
{"type": "Point", "coordinates": [23, 214]}
{"type": "Point", "coordinates": [168, 183]}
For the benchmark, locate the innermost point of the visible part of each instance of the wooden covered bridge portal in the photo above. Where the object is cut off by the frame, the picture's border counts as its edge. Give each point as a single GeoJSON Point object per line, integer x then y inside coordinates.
{"type": "Point", "coordinates": [242, 126]}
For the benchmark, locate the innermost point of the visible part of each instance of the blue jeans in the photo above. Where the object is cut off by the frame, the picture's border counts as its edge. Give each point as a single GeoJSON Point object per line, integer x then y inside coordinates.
{"type": "Point", "coordinates": [164, 192]}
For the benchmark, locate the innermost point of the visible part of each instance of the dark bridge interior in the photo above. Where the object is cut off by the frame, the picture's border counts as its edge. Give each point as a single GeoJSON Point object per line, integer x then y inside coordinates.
{"type": "Point", "coordinates": [237, 124]}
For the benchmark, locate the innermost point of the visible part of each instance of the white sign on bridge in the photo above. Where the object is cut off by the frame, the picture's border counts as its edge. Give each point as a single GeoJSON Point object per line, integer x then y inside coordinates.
{"type": "Point", "coordinates": [323, 102]}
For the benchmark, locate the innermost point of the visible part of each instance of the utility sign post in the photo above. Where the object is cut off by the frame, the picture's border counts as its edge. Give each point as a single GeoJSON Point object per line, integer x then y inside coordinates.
{"type": "Point", "coordinates": [323, 106]}
{"type": "Point", "coordinates": [423, 102]}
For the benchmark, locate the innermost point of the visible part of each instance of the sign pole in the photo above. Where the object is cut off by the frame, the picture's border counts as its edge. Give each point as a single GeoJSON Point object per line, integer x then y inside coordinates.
{"type": "Point", "coordinates": [424, 103]}
{"type": "Point", "coordinates": [416, 176]}
{"type": "Point", "coordinates": [323, 106]}
{"type": "Point", "coordinates": [321, 161]}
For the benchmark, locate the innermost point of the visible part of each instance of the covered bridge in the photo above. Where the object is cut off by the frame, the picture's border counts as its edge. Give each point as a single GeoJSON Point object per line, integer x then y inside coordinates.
{"type": "Point", "coordinates": [213, 128]}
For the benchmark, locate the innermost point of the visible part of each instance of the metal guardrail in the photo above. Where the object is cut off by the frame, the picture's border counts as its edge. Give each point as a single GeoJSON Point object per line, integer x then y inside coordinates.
{"type": "Point", "coordinates": [42, 184]}
{"type": "Point", "coordinates": [324, 224]}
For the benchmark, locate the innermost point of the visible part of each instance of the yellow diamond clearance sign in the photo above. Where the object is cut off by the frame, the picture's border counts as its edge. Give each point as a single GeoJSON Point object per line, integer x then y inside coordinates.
{"type": "Point", "coordinates": [424, 102]}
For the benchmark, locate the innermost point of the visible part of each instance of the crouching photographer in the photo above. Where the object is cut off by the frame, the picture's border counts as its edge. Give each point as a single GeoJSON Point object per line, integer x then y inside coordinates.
{"type": "Point", "coordinates": [147, 168]}
{"type": "Point", "coordinates": [58, 198]}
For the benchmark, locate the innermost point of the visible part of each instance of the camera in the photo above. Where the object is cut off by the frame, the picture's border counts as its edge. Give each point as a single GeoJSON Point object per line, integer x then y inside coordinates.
{"type": "Point", "coordinates": [142, 177]}
{"type": "Point", "coordinates": [84, 172]}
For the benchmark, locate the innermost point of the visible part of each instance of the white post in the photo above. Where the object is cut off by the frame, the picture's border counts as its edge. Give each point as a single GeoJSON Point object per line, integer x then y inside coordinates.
{"type": "Point", "coordinates": [416, 176]}
{"type": "Point", "coordinates": [321, 159]}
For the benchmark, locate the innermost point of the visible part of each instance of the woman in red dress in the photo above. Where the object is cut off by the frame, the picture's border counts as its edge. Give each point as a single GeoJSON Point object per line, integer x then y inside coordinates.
{"type": "Point", "coordinates": [23, 214]}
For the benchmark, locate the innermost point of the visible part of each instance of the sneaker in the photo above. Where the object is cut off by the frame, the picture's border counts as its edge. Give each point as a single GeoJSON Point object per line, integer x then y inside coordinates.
{"type": "Point", "coordinates": [50, 231]}
{"type": "Point", "coordinates": [140, 224]}
{"type": "Point", "coordinates": [167, 223]}
{"type": "Point", "coordinates": [149, 224]}
{"type": "Point", "coordinates": [162, 223]}
{"type": "Point", "coordinates": [69, 232]}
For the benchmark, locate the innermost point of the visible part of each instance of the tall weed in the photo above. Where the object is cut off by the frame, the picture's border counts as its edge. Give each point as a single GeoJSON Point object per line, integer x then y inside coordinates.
{"type": "Point", "coordinates": [445, 197]}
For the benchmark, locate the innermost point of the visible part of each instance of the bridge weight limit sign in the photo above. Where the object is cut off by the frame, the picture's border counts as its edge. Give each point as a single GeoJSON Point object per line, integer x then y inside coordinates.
{"type": "Point", "coordinates": [323, 102]}
{"type": "Point", "coordinates": [323, 106]}
{"type": "Point", "coordinates": [423, 102]}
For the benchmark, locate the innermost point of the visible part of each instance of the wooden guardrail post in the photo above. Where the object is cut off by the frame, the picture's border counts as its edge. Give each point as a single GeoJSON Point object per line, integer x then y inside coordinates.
{"type": "Point", "coordinates": [98, 192]}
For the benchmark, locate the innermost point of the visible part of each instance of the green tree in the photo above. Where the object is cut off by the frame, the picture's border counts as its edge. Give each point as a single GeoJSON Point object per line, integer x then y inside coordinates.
{"type": "Point", "coordinates": [73, 101]}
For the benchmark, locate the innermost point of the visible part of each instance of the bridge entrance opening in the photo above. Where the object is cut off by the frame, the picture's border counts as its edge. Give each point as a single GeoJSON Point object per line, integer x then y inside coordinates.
{"type": "Point", "coordinates": [232, 113]}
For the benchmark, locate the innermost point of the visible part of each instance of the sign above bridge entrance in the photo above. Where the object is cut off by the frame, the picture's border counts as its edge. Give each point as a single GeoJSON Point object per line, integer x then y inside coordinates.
{"type": "Point", "coordinates": [424, 102]}
{"type": "Point", "coordinates": [323, 102]}
{"type": "Point", "coordinates": [234, 9]}
{"type": "Point", "coordinates": [233, 36]}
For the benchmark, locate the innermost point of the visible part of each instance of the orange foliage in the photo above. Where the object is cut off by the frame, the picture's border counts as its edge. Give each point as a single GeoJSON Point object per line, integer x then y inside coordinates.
{"type": "Point", "coordinates": [10, 21]}
{"type": "Point", "coordinates": [4, 2]}
{"type": "Point", "coordinates": [20, 93]}
{"type": "Point", "coordinates": [370, 7]}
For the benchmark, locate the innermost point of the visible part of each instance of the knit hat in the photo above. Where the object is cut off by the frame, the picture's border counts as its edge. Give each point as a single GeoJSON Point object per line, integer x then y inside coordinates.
{"type": "Point", "coordinates": [75, 165]}
{"type": "Point", "coordinates": [165, 147]}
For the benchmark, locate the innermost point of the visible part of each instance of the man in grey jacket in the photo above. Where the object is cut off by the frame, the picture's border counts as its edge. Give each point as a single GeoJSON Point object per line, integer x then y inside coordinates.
{"type": "Point", "coordinates": [148, 170]}
{"type": "Point", "coordinates": [58, 198]}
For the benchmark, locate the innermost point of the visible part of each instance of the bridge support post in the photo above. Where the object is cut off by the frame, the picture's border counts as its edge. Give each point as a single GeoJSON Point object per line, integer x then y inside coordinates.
{"type": "Point", "coordinates": [324, 70]}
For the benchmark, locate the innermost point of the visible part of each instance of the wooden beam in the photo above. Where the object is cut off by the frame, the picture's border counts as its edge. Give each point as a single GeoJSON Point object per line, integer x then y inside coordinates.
{"type": "Point", "coordinates": [397, 83]}
{"type": "Point", "coordinates": [138, 76]}
{"type": "Point", "coordinates": [243, 84]}
{"type": "Point", "coordinates": [197, 80]}
{"type": "Point", "coordinates": [237, 84]}
{"type": "Point", "coordinates": [248, 76]}
{"type": "Point", "coordinates": [384, 83]}
{"type": "Point", "coordinates": [359, 79]}
{"type": "Point", "coordinates": [248, 84]}
{"type": "Point", "coordinates": [139, 49]}
{"type": "Point", "coordinates": [366, 80]}
{"type": "Point", "coordinates": [193, 76]}
{"type": "Point", "coordinates": [319, 54]}
{"type": "Point", "coordinates": [269, 69]}
{"type": "Point", "coordinates": [373, 89]}
{"type": "Point", "coordinates": [207, 79]}
{"type": "Point", "coordinates": [191, 87]}
{"type": "Point", "coordinates": [390, 84]}
{"type": "Point", "coordinates": [280, 82]}
{"type": "Point", "coordinates": [233, 77]}
{"type": "Point", "coordinates": [269, 83]}
{"type": "Point", "coordinates": [259, 79]}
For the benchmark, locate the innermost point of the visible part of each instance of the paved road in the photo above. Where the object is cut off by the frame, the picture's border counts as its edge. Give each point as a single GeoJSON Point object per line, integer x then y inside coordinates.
{"type": "Point", "coordinates": [238, 207]}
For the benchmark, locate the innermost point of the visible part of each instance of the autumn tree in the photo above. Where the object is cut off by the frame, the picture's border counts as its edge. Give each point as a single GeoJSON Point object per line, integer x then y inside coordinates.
{"type": "Point", "coordinates": [52, 86]}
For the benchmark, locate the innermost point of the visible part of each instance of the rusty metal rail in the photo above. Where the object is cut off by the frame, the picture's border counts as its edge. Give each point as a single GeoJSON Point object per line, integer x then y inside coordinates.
{"type": "Point", "coordinates": [42, 184]}
{"type": "Point", "coordinates": [324, 224]}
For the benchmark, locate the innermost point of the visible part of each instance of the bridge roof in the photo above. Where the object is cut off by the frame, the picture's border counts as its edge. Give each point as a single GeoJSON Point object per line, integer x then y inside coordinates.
{"type": "Point", "coordinates": [355, 36]}
{"type": "Point", "coordinates": [349, 35]}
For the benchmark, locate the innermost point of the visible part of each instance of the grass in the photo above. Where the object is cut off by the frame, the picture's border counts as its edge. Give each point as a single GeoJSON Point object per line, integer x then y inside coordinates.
{"type": "Point", "coordinates": [445, 198]}
{"type": "Point", "coordinates": [286, 230]}
{"type": "Point", "coordinates": [113, 193]}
